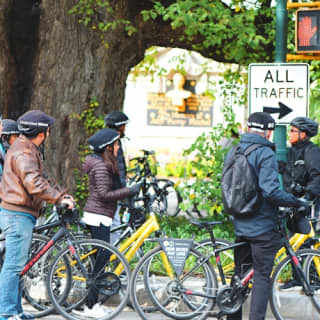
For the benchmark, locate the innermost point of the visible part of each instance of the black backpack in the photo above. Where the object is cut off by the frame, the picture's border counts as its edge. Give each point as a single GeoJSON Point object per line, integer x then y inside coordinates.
{"type": "Point", "coordinates": [240, 190]}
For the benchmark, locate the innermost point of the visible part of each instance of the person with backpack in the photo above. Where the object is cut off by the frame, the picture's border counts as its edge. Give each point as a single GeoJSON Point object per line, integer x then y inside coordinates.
{"type": "Point", "coordinates": [9, 134]}
{"type": "Point", "coordinates": [301, 172]}
{"type": "Point", "coordinates": [118, 120]}
{"type": "Point", "coordinates": [253, 163]}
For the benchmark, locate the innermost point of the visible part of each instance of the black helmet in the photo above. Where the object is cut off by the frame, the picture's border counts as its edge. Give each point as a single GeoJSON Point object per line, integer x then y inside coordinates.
{"type": "Point", "coordinates": [115, 119]}
{"type": "Point", "coordinates": [261, 120]}
{"type": "Point", "coordinates": [33, 122]}
{"type": "Point", "coordinates": [103, 138]}
{"type": "Point", "coordinates": [9, 127]}
{"type": "Point", "coordinates": [306, 125]}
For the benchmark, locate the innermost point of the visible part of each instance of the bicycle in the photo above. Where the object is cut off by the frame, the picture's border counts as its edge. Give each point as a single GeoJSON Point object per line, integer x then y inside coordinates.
{"type": "Point", "coordinates": [63, 288]}
{"type": "Point", "coordinates": [297, 240]}
{"type": "Point", "coordinates": [162, 192]}
{"type": "Point", "coordinates": [194, 291]}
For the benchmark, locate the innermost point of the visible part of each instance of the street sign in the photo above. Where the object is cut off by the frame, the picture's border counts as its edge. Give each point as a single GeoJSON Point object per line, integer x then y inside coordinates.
{"type": "Point", "coordinates": [281, 89]}
{"type": "Point", "coordinates": [307, 30]}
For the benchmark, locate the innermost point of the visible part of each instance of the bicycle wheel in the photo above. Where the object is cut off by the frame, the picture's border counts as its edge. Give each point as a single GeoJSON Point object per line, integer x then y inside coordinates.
{"type": "Point", "coordinates": [111, 283]}
{"type": "Point", "coordinates": [33, 283]}
{"type": "Point", "coordinates": [294, 303]}
{"type": "Point", "coordinates": [172, 295]}
{"type": "Point", "coordinates": [226, 257]}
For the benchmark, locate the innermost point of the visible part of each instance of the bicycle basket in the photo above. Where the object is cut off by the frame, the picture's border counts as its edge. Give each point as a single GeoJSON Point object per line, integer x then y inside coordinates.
{"type": "Point", "coordinates": [137, 217]}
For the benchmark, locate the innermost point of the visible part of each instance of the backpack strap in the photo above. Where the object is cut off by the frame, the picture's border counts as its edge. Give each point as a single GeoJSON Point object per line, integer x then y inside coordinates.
{"type": "Point", "coordinates": [252, 148]}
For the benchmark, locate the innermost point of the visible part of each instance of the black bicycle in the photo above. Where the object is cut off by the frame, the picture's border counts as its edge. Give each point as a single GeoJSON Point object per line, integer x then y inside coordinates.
{"type": "Point", "coordinates": [194, 291]}
{"type": "Point", "coordinates": [67, 266]}
{"type": "Point", "coordinates": [163, 193]}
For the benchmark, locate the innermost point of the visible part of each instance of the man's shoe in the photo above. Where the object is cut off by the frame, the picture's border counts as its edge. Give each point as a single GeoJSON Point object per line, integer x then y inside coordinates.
{"type": "Point", "coordinates": [289, 285]}
{"type": "Point", "coordinates": [97, 311]}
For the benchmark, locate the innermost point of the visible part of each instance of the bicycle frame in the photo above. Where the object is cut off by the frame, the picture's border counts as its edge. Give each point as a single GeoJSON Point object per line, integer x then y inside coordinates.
{"type": "Point", "coordinates": [296, 241]}
{"type": "Point", "coordinates": [63, 232]}
{"type": "Point", "coordinates": [134, 242]}
{"type": "Point", "coordinates": [137, 239]}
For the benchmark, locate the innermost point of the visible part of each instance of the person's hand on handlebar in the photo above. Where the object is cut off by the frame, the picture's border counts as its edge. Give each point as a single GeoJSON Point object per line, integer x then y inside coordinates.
{"type": "Point", "coordinates": [68, 200]}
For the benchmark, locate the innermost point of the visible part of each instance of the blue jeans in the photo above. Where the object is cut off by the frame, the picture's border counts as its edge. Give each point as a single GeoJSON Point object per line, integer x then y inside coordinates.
{"type": "Point", "coordinates": [18, 231]}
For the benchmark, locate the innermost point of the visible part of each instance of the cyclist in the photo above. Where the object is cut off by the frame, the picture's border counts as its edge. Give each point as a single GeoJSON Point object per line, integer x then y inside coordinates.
{"type": "Point", "coordinates": [117, 120]}
{"type": "Point", "coordinates": [8, 135]}
{"type": "Point", "coordinates": [259, 229]}
{"type": "Point", "coordinates": [23, 190]}
{"type": "Point", "coordinates": [301, 172]}
{"type": "Point", "coordinates": [104, 191]}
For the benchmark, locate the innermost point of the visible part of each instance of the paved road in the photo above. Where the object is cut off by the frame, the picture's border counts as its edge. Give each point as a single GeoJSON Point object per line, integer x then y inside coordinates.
{"type": "Point", "coordinates": [128, 314]}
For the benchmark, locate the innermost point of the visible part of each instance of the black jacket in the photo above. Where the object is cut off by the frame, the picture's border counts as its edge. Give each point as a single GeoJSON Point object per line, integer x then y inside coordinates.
{"type": "Point", "coordinates": [264, 163]}
{"type": "Point", "coordinates": [302, 168]}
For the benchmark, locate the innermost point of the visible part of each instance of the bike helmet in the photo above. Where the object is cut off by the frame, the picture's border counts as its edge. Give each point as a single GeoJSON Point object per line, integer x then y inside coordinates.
{"type": "Point", "coordinates": [261, 121]}
{"type": "Point", "coordinates": [33, 122]}
{"type": "Point", "coordinates": [103, 138]}
{"type": "Point", "coordinates": [115, 119]}
{"type": "Point", "coordinates": [310, 127]}
{"type": "Point", "coordinates": [9, 127]}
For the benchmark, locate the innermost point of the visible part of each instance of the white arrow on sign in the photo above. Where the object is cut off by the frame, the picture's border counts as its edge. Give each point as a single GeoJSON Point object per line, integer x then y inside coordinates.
{"type": "Point", "coordinates": [281, 89]}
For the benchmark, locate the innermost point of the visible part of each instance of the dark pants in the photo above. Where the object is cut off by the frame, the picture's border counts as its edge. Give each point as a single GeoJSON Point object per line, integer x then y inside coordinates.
{"type": "Point", "coordinates": [101, 233]}
{"type": "Point", "coordinates": [259, 252]}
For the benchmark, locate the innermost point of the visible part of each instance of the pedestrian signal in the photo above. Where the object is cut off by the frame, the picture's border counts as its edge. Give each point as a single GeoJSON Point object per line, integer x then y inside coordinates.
{"type": "Point", "coordinates": [307, 30]}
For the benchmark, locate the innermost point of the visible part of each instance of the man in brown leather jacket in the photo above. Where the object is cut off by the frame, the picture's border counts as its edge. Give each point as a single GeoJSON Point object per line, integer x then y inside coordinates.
{"type": "Point", "coordinates": [23, 190]}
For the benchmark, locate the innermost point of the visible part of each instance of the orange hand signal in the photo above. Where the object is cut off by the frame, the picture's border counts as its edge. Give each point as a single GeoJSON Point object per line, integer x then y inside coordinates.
{"type": "Point", "coordinates": [305, 31]}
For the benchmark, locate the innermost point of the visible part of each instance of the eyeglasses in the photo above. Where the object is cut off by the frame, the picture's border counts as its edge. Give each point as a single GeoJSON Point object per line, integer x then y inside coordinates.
{"type": "Point", "coordinates": [294, 130]}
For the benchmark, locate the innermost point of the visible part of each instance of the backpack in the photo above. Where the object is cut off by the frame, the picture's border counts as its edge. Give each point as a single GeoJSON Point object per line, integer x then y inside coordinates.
{"type": "Point", "coordinates": [240, 190]}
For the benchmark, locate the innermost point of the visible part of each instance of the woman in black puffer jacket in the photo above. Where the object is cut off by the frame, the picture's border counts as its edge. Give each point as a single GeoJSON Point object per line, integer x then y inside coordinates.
{"type": "Point", "coordinates": [104, 191]}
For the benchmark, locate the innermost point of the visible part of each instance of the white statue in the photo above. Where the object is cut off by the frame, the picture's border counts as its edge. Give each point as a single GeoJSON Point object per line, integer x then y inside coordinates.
{"type": "Point", "coordinates": [178, 94]}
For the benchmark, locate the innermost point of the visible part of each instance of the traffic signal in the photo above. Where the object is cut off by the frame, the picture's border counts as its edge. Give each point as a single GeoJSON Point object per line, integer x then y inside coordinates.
{"type": "Point", "coordinates": [307, 30]}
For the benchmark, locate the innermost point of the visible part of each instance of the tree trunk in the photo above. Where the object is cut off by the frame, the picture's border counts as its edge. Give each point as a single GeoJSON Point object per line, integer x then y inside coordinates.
{"type": "Point", "coordinates": [49, 61]}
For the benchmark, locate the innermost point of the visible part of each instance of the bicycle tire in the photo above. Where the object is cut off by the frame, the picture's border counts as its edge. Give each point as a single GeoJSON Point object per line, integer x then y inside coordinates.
{"type": "Point", "coordinates": [156, 282]}
{"type": "Point", "coordinates": [226, 257]}
{"type": "Point", "coordinates": [294, 304]}
{"type": "Point", "coordinates": [34, 281]}
{"type": "Point", "coordinates": [116, 286]}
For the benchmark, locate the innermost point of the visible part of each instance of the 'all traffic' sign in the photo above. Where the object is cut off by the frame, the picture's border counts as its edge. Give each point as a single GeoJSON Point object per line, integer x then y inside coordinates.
{"type": "Point", "coordinates": [281, 89]}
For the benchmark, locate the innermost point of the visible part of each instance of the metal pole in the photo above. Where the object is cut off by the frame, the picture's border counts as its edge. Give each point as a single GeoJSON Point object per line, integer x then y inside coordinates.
{"type": "Point", "coordinates": [281, 31]}
{"type": "Point", "coordinates": [280, 134]}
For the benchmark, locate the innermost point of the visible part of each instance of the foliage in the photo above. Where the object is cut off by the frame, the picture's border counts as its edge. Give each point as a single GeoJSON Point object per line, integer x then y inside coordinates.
{"type": "Point", "coordinates": [217, 23]}
{"type": "Point", "coordinates": [99, 15]}
{"type": "Point", "coordinates": [91, 124]}
{"type": "Point", "coordinates": [180, 227]}
{"type": "Point", "coordinates": [209, 151]}
{"type": "Point", "coordinates": [238, 31]}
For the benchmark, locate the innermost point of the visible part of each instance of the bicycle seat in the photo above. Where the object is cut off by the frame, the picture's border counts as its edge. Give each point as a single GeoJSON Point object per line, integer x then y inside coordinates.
{"type": "Point", "coordinates": [206, 224]}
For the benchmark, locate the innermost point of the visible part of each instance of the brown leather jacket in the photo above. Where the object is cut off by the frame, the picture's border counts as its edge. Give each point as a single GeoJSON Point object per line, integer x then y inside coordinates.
{"type": "Point", "coordinates": [104, 185]}
{"type": "Point", "coordinates": [24, 186]}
